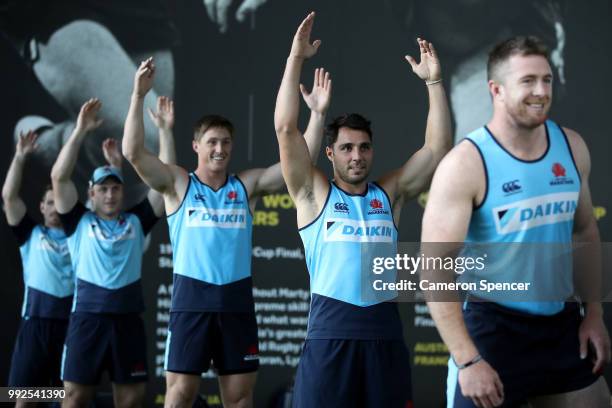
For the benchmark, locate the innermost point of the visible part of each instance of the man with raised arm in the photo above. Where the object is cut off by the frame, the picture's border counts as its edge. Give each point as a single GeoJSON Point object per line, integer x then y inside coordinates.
{"type": "Point", "coordinates": [212, 315]}
{"type": "Point", "coordinates": [354, 354]}
{"type": "Point", "coordinates": [519, 179]}
{"type": "Point", "coordinates": [48, 280]}
{"type": "Point", "coordinates": [106, 332]}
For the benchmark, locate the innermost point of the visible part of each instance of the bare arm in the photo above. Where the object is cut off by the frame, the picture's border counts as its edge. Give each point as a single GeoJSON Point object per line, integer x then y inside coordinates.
{"type": "Point", "coordinates": [64, 191]}
{"type": "Point", "coordinates": [588, 261]}
{"type": "Point", "coordinates": [161, 177]}
{"type": "Point", "coordinates": [446, 220]}
{"type": "Point", "coordinates": [14, 207]}
{"type": "Point", "coordinates": [305, 183]}
{"type": "Point", "coordinates": [415, 175]}
{"type": "Point", "coordinates": [318, 100]}
{"type": "Point", "coordinates": [164, 120]}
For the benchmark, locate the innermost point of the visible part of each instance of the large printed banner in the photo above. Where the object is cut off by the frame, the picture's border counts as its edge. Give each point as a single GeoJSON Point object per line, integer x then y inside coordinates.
{"type": "Point", "coordinates": [227, 57]}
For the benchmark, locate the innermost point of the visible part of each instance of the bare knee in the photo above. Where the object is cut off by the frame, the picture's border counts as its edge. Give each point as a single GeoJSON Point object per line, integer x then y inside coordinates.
{"type": "Point", "coordinates": [181, 390]}
{"type": "Point", "coordinates": [128, 396]}
{"type": "Point", "coordinates": [237, 390]}
{"type": "Point", "coordinates": [77, 396]}
{"type": "Point", "coordinates": [238, 399]}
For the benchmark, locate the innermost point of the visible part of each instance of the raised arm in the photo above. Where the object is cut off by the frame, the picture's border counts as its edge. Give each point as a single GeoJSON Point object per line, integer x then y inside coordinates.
{"type": "Point", "coordinates": [164, 120]}
{"type": "Point", "coordinates": [64, 191]}
{"type": "Point", "coordinates": [270, 179]}
{"type": "Point", "coordinates": [318, 101]}
{"type": "Point", "coordinates": [414, 176]}
{"type": "Point", "coordinates": [304, 182]}
{"type": "Point", "coordinates": [167, 179]}
{"type": "Point", "coordinates": [156, 174]}
{"type": "Point", "coordinates": [14, 207]}
{"type": "Point", "coordinates": [452, 196]}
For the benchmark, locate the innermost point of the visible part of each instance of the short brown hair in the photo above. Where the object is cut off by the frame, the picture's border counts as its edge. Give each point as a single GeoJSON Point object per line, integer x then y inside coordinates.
{"type": "Point", "coordinates": [211, 121]}
{"type": "Point", "coordinates": [519, 45]}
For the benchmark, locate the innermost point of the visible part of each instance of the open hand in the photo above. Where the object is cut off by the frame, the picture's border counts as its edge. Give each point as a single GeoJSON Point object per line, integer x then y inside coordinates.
{"type": "Point", "coordinates": [143, 79]}
{"type": "Point", "coordinates": [88, 116]}
{"type": "Point", "coordinates": [26, 143]}
{"type": "Point", "coordinates": [319, 98]}
{"type": "Point", "coordinates": [302, 47]}
{"type": "Point", "coordinates": [112, 155]}
{"type": "Point", "coordinates": [164, 117]}
{"type": "Point", "coordinates": [428, 69]}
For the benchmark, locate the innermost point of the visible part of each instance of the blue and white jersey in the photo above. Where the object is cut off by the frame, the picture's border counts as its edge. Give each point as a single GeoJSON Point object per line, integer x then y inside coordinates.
{"type": "Point", "coordinates": [339, 246]}
{"type": "Point", "coordinates": [211, 248]}
{"type": "Point", "coordinates": [107, 258]}
{"type": "Point", "coordinates": [529, 202]}
{"type": "Point", "coordinates": [47, 270]}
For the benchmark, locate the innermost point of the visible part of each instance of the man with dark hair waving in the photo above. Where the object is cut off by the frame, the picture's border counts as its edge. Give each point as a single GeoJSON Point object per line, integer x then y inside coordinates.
{"type": "Point", "coordinates": [106, 244]}
{"type": "Point", "coordinates": [354, 354]}
{"type": "Point", "coordinates": [212, 314]}
{"type": "Point", "coordinates": [507, 352]}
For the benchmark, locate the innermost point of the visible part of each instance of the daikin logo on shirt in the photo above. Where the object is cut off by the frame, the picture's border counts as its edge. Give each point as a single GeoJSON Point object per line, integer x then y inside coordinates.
{"type": "Point", "coordinates": [342, 229]}
{"type": "Point", "coordinates": [534, 212]}
{"type": "Point", "coordinates": [219, 218]}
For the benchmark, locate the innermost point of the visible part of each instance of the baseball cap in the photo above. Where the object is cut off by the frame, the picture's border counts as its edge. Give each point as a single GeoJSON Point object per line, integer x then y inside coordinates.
{"type": "Point", "coordinates": [103, 172]}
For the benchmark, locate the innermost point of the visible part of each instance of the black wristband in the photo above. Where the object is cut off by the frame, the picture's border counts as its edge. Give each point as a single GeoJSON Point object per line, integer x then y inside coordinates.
{"type": "Point", "coordinates": [469, 363]}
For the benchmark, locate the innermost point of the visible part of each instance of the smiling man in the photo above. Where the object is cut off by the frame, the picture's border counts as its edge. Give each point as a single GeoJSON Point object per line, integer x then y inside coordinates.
{"type": "Point", "coordinates": [212, 315]}
{"type": "Point", "coordinates": [489, 189]}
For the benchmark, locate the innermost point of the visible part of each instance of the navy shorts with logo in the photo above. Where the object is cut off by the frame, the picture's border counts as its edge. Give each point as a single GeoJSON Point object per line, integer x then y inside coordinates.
{"type": "Point", "coordinates": [229, 339]}
{"type": "Point", "coordinates": [353, 373]}
{"type": "Point", "coordinates": [37, 354]}
{"type": "Point", "coordinates": [533, 355]}
{"type": "Point", "coordinates": [99, 342]}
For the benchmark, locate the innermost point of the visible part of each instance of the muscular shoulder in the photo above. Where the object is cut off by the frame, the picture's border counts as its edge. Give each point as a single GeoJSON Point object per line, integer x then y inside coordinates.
{"type": "Point", "coordinates": [580, 151]}
{"type": "Point", "coordinates": [462, 172]}
{"type": "Point", "coordinates": [462, 163]}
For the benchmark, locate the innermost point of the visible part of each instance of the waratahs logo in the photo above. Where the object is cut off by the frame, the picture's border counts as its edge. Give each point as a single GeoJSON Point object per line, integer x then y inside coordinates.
{"type": "Point", "coordinates": [560, 178]}
{"type": "Point", "coordinates": [535, 212]}
{"type": "Point", "coordinates": [232, 198]}
{"type": "Point", "coordinates": [376, 207]}
{"type": "Point", "coordinates": [558, 170]}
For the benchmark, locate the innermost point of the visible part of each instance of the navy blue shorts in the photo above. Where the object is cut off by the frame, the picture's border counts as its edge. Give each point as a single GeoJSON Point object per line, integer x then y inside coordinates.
{"type": "Point", "coordinates": [533, 355]}
{"type": "Point", "coordinates": [38, 351]}
{"type": "Point", "coordinates": [99, 342]}
{"type": "Point", "coordinates": [353, 373]}
{"type": "Point", "coordinates": [229, 339]}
